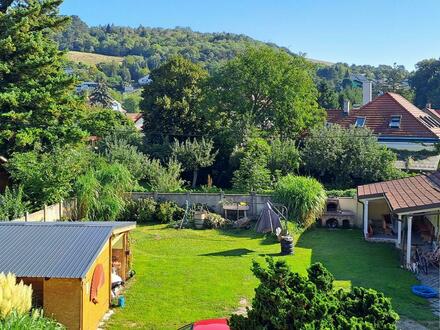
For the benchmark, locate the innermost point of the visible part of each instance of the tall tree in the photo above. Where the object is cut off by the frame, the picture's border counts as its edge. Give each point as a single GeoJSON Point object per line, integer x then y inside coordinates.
{"type": "Point", "coordinates": [100, 97]}
{"type": "Point", "coordinates": [268, 89]}
{"type": "Point", "coordinates": [171, 101]}
{"type": "Point", "coordinates": [327, 96]}
{"type": "Point", "coordinates": [37, 106]}
{"type": "Point", "coordinates": [426, 83]}
{"type": "Point", "coordinates": [194, 155]}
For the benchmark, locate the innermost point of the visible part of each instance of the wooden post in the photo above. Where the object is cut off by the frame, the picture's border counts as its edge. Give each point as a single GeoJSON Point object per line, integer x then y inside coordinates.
{"type": "Point", "coordinates": [253, 205]}
{"type": "Point", "coordinates": [60, 204]}
{"type": "Point", "coordinates": [44, 212]}
{"type": "Point", "coordinates": [408, 242]}
{"type": "Point", "coordinates": [366, 219]}
{"type": "Point", "coordinates": [26, 216]}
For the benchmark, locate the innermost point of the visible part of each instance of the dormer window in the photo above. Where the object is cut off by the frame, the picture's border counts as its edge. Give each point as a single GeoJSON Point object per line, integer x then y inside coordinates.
{"type": "Point", "coordinates": [360, 122]}
{"type": "Point", "coordinates": [395, 121]}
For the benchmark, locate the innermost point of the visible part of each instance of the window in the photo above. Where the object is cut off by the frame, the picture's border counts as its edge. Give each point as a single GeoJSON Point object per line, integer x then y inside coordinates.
{"type": "Point", "coordinates": [360, 122]}
{"type": "Point", "coordinates": [395, 121]}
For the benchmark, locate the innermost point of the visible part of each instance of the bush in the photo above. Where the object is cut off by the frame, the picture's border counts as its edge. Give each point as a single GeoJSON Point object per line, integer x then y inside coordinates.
{"type": "Point", "coordinates": [216, 221]}
{"type": "Point", "coordinates": [348, 157]}
{"type": "Point", "coordinates": [141, 211]}
{"type": "Point", "coordinates": [49, 177]}
{"type": "Point", "coordinates": [120, 151]}
{"type": "Point", "coordinates": [33, 321]}
{"type": "Point", "coordinates": [168, 211]}
{"type": "Point", "coordinates": [102, 192]}
{"type": "Point", "coordinates": [12, 204]}
{"type": "Point", "coordinates": [285, 300]}
{"type": "Point", "coordinates": [164, 178]}
{"type": "Point", "coordinates": [14, 297]}
{"type": "Point", "coordinates": [252, 174]}
{"type": "Point", "coordinates": [304, 198]}
{"type": "Point", "coordinates": [341, 193]}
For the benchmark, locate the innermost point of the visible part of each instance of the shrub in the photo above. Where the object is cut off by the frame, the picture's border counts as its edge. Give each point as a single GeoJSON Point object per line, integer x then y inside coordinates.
{"type": "Point", "coordinates": [164, 178]}
{"type": "Point", "coordinates": [341, 193]}
{"type": "Point", "coordinates": [33, 321]}
{"type": "Point", "coordinates": [168, 211]}
{"type": "Point", "coordinates": [252, 174]}
{"type": "Point", "coordinates": [12, 204]}
{"type": "Point", "coordinates": [102, 192]}
{"type": "Point", "coordinates": [285, 300]}
{"type": "Point", "coordinates": [304, 198]}
{"type": "Point", "coordinates": [284, 157]}
{"type": "Point", "coordinates": [348, 157]}
{"type": "Point", "coordinates": [14, 297]}
{"type": "Point", "coordinates": [216, 221]}
{"type": "Point", "coordinates": [49, 177]}
{"type": "Point", "coordinates": [141, 211]}
{"type": "Point", "coordinates": [120, 151]}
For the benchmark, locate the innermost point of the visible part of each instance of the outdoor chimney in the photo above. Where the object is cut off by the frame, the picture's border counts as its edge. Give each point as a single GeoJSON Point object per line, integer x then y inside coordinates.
{"type": "Point", "coordinates": [367, 92]}
{"type": "Point", "coordinates": [346, 107]}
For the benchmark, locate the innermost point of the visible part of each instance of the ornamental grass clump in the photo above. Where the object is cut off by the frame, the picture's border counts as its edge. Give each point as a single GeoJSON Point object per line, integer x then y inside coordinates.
{"type": "Point", "coordinates": [14, 297]}
{"type": "Point", "coordinates": [304, 198]}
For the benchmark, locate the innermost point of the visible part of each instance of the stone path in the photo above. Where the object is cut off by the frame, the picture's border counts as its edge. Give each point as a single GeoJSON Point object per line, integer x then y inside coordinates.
{"type": "Point", "coordinates": [432, 280]}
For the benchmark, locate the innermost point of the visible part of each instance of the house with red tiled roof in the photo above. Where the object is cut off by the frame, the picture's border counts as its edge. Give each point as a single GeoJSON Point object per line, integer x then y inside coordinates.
{"type": "Point", "coordinates": [403, 211]}
{"type": "Point", "coordinates": [397, 122]}
{"type": "Point", "coordinates": [137, 119]}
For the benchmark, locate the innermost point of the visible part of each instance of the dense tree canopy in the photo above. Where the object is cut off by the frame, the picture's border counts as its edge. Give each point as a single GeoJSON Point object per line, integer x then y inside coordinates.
{"type": "Point", "coordinates": [426, 83]}
{"type": "Point", "coordinates": [268, 89]}
{"type": "Point", "coordinates": [347, 157]}
{"type": "Point", "coordinates": [171, 102]}
{"type": "Point", "coordinates": [37, 106]}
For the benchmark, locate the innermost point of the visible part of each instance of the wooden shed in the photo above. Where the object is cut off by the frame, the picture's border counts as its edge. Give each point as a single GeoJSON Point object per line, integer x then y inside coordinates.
{"type": "Point", "coordinates": [69, 265]}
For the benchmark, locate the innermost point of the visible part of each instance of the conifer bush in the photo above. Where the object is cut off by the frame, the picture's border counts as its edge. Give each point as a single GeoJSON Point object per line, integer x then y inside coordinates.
{"type": "Point", "coordinates": [286, 301]}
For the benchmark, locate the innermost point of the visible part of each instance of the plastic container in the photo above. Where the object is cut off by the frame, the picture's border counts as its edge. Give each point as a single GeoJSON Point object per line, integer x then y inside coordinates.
{"type": "Point", "coordinates": [121, 301]}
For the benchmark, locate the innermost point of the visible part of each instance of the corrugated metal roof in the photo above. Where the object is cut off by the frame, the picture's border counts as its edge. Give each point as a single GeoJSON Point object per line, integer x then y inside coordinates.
{"type": "Point", "coordinates": [52, 249]}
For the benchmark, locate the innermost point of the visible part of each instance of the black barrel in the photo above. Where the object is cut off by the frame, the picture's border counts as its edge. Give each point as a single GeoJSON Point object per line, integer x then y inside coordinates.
{"type": "Point", "coordinates": [286, 245]}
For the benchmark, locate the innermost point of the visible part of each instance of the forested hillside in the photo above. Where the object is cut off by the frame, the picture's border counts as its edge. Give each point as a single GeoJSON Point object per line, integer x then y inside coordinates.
{"type": "Point", "coordinates": [143, 49]}
{"type": "Point", "coordinates": [154, 44]}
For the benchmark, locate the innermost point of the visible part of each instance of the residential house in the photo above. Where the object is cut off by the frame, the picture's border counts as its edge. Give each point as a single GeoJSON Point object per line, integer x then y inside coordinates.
{"type": "Point", "coordinates": [397, 122]}
{"type": "Point", "coordinates": [70, 265]}
{"type": "Point", "coordinates": [86, 86]}
{"type": "Point", "coordinates": [117, 106]}
{"type": "Point", "coordinates": [144, 80]}
{"type": "Point", "coordinates": [137, 119]}
{"type": "Point", "coordinates": [404, 211]}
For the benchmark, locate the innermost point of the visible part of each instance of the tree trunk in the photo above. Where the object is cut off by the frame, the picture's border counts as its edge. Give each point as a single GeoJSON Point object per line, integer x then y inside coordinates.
{"type": "Point", "coordinates": [195, 173]}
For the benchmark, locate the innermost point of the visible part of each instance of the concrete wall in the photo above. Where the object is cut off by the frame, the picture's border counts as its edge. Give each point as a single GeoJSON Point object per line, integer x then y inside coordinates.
{"type": "Point", "coordinates": [256, 202]}
{"type": "Point", "coordinates": [213, 201]}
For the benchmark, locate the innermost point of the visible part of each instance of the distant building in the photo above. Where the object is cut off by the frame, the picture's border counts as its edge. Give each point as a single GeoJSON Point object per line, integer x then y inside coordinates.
{"type": "Point", "coordinates": [86, 86]}
{"type": "Point", "coordinates": [117, 106]}
{"type": "Point", "coordinates": [128, 88]}
{"type": "Point", "coordinates": [137, 119]}
{"type": "Point", "coordinates": [144, 80]}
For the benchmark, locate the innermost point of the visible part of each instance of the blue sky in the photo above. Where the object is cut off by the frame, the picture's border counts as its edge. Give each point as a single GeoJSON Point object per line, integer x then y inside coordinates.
{"type": "Point", "coordinates": [353, 31]}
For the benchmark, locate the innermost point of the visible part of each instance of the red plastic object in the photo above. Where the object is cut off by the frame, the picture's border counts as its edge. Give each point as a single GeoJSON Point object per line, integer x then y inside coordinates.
{"type": "Point", "coordinates": [215, 324]}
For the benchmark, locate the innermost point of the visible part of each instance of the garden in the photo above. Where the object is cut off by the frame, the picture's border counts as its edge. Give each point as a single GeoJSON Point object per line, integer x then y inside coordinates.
{"type": "Point", "coordinates": [187, 275]}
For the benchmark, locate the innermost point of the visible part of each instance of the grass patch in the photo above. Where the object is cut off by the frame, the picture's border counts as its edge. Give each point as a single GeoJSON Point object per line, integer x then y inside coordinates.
{"type": "Point", "coordinates": [91, 58]}
{"type": "Point", "coordinates": [188, 275]}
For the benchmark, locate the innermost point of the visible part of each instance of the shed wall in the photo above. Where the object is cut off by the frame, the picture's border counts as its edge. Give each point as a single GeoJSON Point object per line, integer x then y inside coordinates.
{"type": "Point", "coordinates": [62, 301]}
{"type": "Point", "coordinates": [93, 313]}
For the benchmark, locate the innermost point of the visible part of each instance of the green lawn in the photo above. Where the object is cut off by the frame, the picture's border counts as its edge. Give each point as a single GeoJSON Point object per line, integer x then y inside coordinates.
{"type": "Point", "coordinates": [187, 275]}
